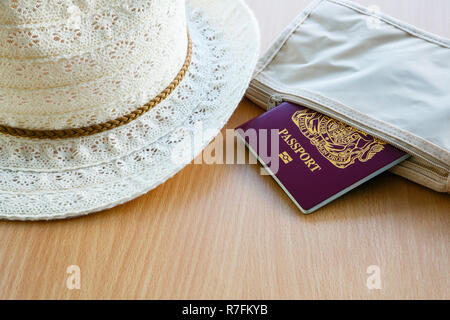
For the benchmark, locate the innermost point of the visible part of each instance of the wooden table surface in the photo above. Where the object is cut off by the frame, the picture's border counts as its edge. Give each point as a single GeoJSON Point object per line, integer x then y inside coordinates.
{"type": "Point", "coordinates": [225, 231]}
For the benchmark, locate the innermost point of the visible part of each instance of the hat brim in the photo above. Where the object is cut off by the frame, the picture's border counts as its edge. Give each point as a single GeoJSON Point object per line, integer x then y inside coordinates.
{"type": "Point", "coordinates": [227, 37]}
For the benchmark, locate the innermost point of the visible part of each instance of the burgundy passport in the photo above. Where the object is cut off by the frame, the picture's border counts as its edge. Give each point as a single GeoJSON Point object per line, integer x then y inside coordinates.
{"type": "Point", "coordinates": [318, 159]}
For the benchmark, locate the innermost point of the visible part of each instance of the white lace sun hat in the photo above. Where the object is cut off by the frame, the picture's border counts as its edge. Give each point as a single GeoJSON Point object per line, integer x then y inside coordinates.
{"type": "Point", "coordinates": [102, 101]}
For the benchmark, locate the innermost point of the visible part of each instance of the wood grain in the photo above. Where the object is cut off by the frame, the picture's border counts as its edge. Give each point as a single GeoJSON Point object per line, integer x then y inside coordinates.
{"type": "Point", "coordinates": [225, 231]}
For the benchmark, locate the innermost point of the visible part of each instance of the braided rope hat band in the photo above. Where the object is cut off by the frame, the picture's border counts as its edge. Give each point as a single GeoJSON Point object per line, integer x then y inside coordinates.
{"type": "Point", "coordinates": [108, 125]}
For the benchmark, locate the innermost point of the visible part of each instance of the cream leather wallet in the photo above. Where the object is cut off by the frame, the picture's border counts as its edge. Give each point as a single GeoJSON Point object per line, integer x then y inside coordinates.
{"type": "Point", "coordinates": [378, 74]}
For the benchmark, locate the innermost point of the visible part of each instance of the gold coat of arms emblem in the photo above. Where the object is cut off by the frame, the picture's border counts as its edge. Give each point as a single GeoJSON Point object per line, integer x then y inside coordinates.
{"type": "Point", "coordinates": [338, 142]}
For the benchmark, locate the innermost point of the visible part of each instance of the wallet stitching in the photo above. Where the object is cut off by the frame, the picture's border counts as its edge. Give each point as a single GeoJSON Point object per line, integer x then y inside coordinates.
{"type": "Point", "coordinates": [424, 35]}
{"type": "Point", "coordinates": [306, 13]}
{"type": "Point", "coordinates": [285, 36]}
{"type": "Point", "coordinates": [414, 174]}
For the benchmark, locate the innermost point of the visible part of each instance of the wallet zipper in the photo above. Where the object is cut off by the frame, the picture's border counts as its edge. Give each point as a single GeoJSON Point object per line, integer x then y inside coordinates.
{"type": "Point", "coordinates": [265, 96]}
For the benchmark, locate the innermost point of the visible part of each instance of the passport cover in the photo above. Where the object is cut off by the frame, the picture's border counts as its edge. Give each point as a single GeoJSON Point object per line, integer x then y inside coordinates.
{"type": "Point", "coordinates": [320, 158]}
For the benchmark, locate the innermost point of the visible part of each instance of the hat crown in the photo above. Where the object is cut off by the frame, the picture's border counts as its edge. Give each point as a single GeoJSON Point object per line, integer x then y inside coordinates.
{"type": "Point", "coordinates": [26, 12]}
{"type": "Point", "coordinates": [38, 28]}
{"type": "Point", "coordinates": [59, 57]}
{"type": "Point", "coordinates": [21, 12]}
